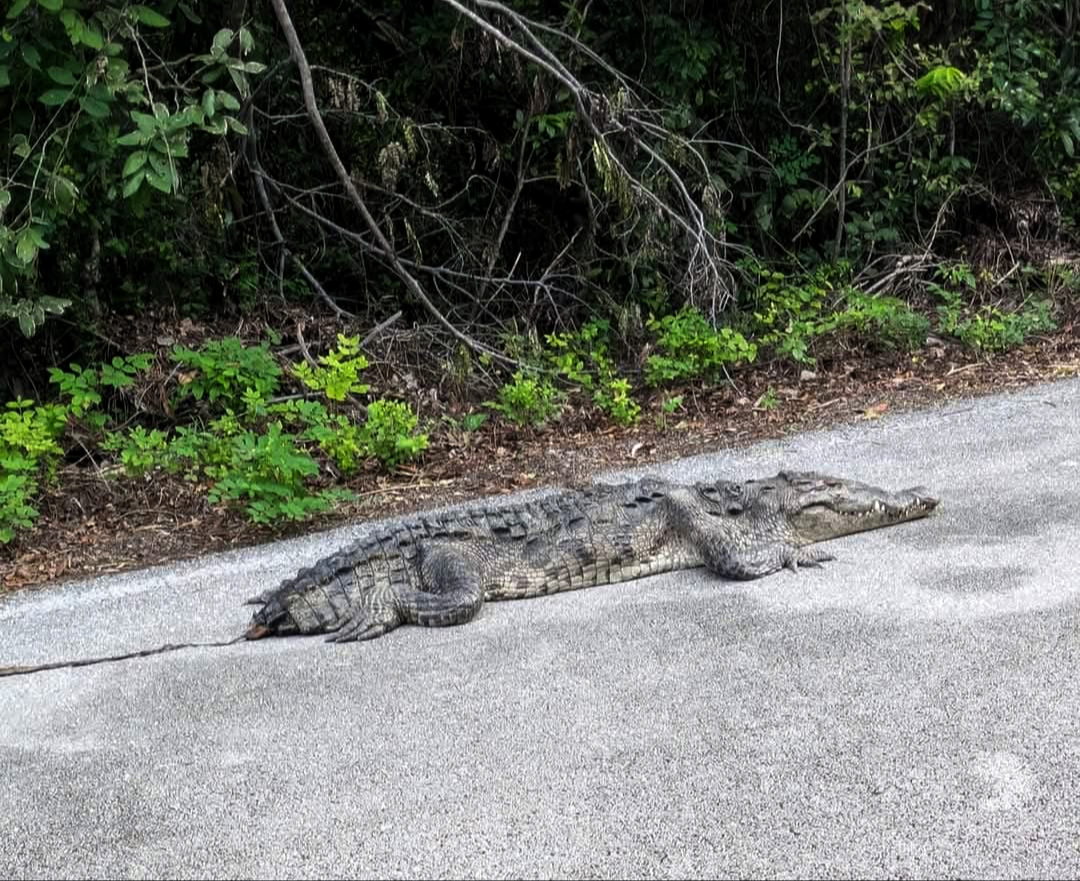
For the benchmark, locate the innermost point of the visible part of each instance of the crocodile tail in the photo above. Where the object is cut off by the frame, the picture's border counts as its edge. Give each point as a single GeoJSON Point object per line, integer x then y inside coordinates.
{"type": "Point", "coordinates": [315, 600]}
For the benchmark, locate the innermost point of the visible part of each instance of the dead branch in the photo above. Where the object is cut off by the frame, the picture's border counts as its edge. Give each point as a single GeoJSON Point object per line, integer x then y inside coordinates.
{"type": "Point", "coordinates": [705, 268]}
{"type": "Point", "coordinates": [388, 252]}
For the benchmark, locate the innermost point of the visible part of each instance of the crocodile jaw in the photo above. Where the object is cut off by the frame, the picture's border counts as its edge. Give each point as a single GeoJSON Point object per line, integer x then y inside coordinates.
{"type": "Point", "coordinates": [859, 509]}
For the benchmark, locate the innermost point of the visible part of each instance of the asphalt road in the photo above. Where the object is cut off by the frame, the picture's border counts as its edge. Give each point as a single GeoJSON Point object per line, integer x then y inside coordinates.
{"type": "Point", "coordinates": [910, 710]}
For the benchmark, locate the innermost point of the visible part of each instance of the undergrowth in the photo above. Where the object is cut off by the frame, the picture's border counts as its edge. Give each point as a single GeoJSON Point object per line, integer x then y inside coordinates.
{"type": "Point", "coordinates": [278, 441]}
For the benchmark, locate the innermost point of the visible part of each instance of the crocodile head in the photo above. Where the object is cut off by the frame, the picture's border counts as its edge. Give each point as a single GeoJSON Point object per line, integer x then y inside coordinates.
{"type": "Point", "coordinates": [804, 507]}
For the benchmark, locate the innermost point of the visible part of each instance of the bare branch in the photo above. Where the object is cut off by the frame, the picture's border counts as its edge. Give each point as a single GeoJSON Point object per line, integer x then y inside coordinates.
{"type": "Point", "coordinates": [411, 284]}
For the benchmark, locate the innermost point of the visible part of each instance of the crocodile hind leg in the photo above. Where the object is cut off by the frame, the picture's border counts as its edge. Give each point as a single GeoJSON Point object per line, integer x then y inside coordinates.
{"type": "Point", "coordinates": [452, 594]}
{"type": "Point", "coordinates": [745, 563]}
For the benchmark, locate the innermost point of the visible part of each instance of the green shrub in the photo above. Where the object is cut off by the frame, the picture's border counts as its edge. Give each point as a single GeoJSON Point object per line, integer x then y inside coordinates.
{"type": "Point", "coordinates": [267, 474]}
{"type": "Point", "coordinates": [990, 328]}
{"type": "Point", "coordinates": [528, 400]}
{"type": "Point", "coordinates": [582, 357]}
{"type": "Point", "coordinates": [29, 448]}
{"type": "Point", "coordinates": [339, 372]}
{"type": "Point", "coordinates": [225, 369]}
{"type": "Point", "coordinates": [690, 348]}
{"type": "Point", "coordinates": [388, 433]}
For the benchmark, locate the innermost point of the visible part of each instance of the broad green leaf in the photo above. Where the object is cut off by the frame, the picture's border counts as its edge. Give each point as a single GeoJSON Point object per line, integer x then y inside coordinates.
{"type": "Point", "coordinates": [1067, 143]}
{"type": "Point", "coordinates": [144, 121]}
{"type": "Point", "coordinates": [239, 79]}
{"type": "Point", "coordinates": [31, 55]}
{"type": "Point", "coordinates": [64, 193]}
{"type": "Point", "coordinates": [236, 125]}
{"type": "Point", "coordinates": [16, 8]}
{"type": "Point", "coordinates": [25, 247]}
{"type": "Point", "coordinates": [91, 37]}
{"type": "Point", "coordinates": [132, 184]}
{"type": "Point", "coordinates": [163, 182]}
{"type": "Point", "coordinates": [226, 100]}
{"type": "Point", "coordinates": [134, 162]}
{"type": "Point", "coordinates": [132, 139]}
{"type": "Point", "coordinates": [5, 199]}
{"type": "Point", "coordinates": [19, 145]}
{"type": "Point", "coordinates": [35, 233]}
{"type": "Point", "coordinates": [61, 76]}
{"type": "Point", "coordinates": [149, 17]}
{"type": "Point", "coordinates": [208, 103]}
{"type": "Point", "coordinates": [55, 97]}
{"type": "Point", "coordinates": [222, 39]}
{"type": "Point", "coordinates": [96, 108]}
{"type": "Point", "coordinates": [52, 5]}
{"type": "Point", "coordinates": [247, 42]}
{"type": "Point", "coordinates": [54, 304]}
{"type": "Point", "coordinates": [190, 14]}
{"type": "Point", "coordinates": [73, 23]}
{"type": "Point", "coordinates": [253, 66]}
{"type": "Point", "coordinates": [159, 163]}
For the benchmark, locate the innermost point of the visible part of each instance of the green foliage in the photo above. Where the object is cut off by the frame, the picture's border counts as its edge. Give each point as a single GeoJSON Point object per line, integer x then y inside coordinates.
{"type": "Point", "coordinates": [32, 431]}
{"type": "Point", "coordinates": [614, 399]}
{"type": "Point", "coordinates": [528, 400]}
{"type": "Point", "coordinates": [140, 450]}
{"type": "Point", "coordinates": [82, 386]}
{"type": "Point", "coordinates": [29, 447]}
{"type": "Point", "coordinates": [473, 421]}
{"type": "Point", "coordinates": [225, 369]}
{"type": "Point", "coordinates": [584, 358]}
{"type": "Point", "coordinates": [339, 370]}
{"type": "Point", "coordinates": [888, 320]}
{"type": "Point", "coordinates": [685, 52]}
{"type": "Point", "coordinates": [389, 433]}
{"type": "Point", "coordinates": [768, 400]}
{"type": "Point", "coordinates": [790, 314]}
{"type": "Point", "coordinates": [989, 328]}
{"type": "Point", "coordinates": [941, 82]}
{"type": "Point", "coordinates": [668, 407]}
{"type": "Point", "coordinates": [17, 491]}
{"type": "Point", "coordinates": [267, 474]}
{"type": "Point", "coordinates": [692, 349]}
{"type": "Point", "coordinates": [72, 81]}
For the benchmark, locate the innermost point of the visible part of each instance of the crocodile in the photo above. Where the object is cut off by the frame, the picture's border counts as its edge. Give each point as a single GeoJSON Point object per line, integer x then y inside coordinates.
{"type": "Point", "coordinates": [439, 570]}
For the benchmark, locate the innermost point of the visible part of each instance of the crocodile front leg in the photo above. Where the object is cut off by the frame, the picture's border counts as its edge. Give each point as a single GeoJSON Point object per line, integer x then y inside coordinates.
{"type": "Point", "coordinates": [730, 561]}
{"type": "Point", "coordinates": [452, 593]}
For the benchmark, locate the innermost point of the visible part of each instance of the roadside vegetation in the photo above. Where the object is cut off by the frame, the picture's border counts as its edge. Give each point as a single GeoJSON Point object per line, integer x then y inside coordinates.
{"type": "Point", "coordinates": [269, 251]}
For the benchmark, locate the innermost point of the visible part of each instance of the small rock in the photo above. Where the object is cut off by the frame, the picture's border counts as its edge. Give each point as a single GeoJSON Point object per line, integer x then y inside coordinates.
{"type": "Point", "coordinates": [807, 376]}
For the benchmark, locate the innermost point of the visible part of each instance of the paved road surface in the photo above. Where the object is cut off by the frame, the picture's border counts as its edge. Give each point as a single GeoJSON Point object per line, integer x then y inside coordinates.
{"type": "Point", "coordinates": [910, 710]}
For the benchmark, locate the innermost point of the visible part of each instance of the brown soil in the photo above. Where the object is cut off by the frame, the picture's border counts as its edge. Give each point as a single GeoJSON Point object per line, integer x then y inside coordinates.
{"type": "Point", "coordinates": [97, 524]}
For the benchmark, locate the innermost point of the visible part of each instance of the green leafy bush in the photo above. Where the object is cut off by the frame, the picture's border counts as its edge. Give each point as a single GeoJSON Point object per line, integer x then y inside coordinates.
{"type": "Point", "coordinates": [690, 348]}
{"type": "Point", "coordinates": [339, 371]}
{"type": "Point", "coordinates": [583, 358]}
{"type": "Point", "coordinates": [987, 328]}
{"type": "Point", "coordinates": [267, 474]}
{"type": "Point", "coordinates": [528, 400]}
{"type": "Point", "coordinates": [29, 448]}
{"type": "Point", "coordinates": [140, 450]}
{"type": "Point", "coordinates": [225, 369]}
{"type": "Point", "coordinates": [388, 433]}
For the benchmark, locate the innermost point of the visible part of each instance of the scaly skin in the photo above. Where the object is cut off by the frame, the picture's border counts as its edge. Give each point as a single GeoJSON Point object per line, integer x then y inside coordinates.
{"type": "Point", "coordinates": [437, 571]}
